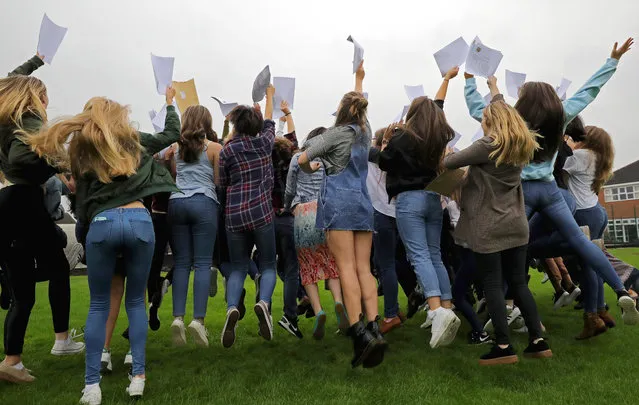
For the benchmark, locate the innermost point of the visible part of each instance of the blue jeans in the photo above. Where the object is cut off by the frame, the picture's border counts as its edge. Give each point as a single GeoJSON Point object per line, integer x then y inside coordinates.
{"type": "Point", "coordinates": [129, 233]}
{"type": "Point", "coordinates": [419, 221]}
{"type": "Point", "coordinates": [193, 223]}
{"type": "Point", "coordinates": [287, 264]}
{"type": "Point", "coordinates": [385, 241]}
{"type": "Point", "coordinates": [545, 197]}
{"type": "Point", "coordinates": [240, 247]}
{"type": "Point", "coordinates": [596, 219]}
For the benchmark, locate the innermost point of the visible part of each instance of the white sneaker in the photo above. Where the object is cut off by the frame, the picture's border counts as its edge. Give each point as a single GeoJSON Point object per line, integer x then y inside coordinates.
{"type": "Point", "coordinates": [629, 312]}
{"type": "Point", "coordinates": [561, 301]}
{"type": "Point", "coordinates": [128, 359]}
{"type": "Point", "coordinates": [265, 320]}
{"type": "Point", "coordinates": [106, 365]}
{"type": "Point", "coordinates": [444, 325]}
{"type": "Point", "coordinates": [178, 333]}
{"type": "Point", "coordinates": [67, 347]}
{"type": "Point", "coordinates": [513, 314]}
{"type": "Point", "coordinates": [451, 332]}
{"type": "Point", "coordinates": [136, 388]}
{"type": "Point", "coordinates": [92, 396]}
{"type": "Point", "coordinates": [573, 296]}
{"type": "Point", "coordinates": [545, 279]}
{"type": "Point", "coordinates": [427, 323]}
{"type": "Point", "coordinates": [199, 333]}
{"type": "Point", "coordinates": [165, 287]}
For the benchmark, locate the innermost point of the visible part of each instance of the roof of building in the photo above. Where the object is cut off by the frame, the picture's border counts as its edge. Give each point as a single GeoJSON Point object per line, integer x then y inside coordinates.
{"type": "Point", "coordinates": [627, 174]}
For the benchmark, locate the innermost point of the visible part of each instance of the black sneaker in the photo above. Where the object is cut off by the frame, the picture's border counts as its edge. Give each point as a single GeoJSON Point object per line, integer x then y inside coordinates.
{"type": "Point", "coordinates": [241, 307]}
{"type": "Point", "coordinates": [303, 306]}
{"type": "Point", "coordinates": [290, 325]}
{"type": "Point", "coordinates": [310, 313]}
{"type": "Point", "coordinates": [539, 350]}
{"type": "Point", "coordinates": [415, 300]}
{"type": "Point", "coordinates": [125, 334]}
{"type": "Point", "coordinates": [497, 356]}
{"type": "Point", "coordinates": [479, 338]}
{"type": "Point", "coordinates": [228, 332]}
{"type": "Point", "coordinates": [376, 357]}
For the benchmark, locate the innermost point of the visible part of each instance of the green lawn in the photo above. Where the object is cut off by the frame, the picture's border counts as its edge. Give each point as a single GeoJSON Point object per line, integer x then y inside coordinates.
{"type": "Point", "coordinates": [306, 371]}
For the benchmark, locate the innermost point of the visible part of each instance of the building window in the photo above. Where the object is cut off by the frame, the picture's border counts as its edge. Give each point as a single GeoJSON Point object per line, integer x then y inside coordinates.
{"type": "Point", "coordinates": [621, 193]}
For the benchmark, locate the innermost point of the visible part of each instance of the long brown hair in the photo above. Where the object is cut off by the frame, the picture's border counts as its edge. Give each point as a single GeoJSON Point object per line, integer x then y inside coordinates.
{"type": "Point", "coordinates": [103, 142]}
{"type": "Point", "coordinates": [540, 106]}
{"type": "Point", "coordinates": [600, 142]}
{"type": "Point", "coordinates": [197, 127]}
{"type": "Point", "coordinates": [514, 143]}
{"type": "Point", "coordinates": [352, 110]}
{"type": "Point", "coordinates": [428, 122]}
{"type": "Point", "coordinates": [19, 96]}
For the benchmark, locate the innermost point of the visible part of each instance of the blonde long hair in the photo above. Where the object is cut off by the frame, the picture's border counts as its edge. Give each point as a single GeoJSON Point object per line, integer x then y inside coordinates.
{"type": "Point", "coordinates": [600, 142]}
{"type": "Point", "coordinates": [103, 142]}
{"type": "Point", "coordinates": [514, 143]}
{"type": "Point", "coordinates": [21, 95]}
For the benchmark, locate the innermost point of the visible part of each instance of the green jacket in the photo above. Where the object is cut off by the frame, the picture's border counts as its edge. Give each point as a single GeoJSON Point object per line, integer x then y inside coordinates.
{"type": "Point", "coordinates": [94, 197]}
{"type": "Point", "coordinates": [27, 67]}
{"type": "Point", "coordinates": [18, 162]}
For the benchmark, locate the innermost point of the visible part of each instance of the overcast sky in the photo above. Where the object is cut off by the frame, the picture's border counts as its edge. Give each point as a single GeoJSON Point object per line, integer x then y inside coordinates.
{"type": "Point", "coordinates": [224, 44]}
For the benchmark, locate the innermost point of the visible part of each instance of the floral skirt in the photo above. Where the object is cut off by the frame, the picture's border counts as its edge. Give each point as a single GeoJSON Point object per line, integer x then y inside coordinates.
{"type": "Point", "coordinates": [316, 261]}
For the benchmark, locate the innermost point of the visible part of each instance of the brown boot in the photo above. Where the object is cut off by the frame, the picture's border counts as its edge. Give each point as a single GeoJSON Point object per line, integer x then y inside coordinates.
{"type": "Point", "coordinates": [593, 326]}
{"type": "Point", "coordinates": [607, 318]}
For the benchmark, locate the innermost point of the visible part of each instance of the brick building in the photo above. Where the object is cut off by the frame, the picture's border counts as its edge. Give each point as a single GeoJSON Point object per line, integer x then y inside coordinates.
{"type": "Point", "coordinates": [620, 197]}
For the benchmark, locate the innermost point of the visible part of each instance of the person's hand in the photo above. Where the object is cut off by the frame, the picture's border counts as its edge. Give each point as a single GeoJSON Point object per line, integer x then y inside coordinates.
{"type": "Point", "coordinates": [257, 107]}
{"type": "Point", "coordinates": [170, 95]}
{"type": "Point", "coordinates": [449, 151]}
{"type": "Point", "coordinates": [228, 117]}
{"type": "Point", "coordinates": [361, 73]}
{"type": "Point", "coordinates": [283, 118]}
{"type": "Point", "coordinates": [390, 130]}
{"type": "Point", "coordinates": [492, 82]}
{"type": "Point", "coordinates": [270, 91]}
{"type": "Point", "coordinates": [468, 75]}
{"type": "Point", "coordinates": [617, 53]}
{"type": "Point", "coordinates": [284, 107]}
{"type": "Point", "coordinates": [40, 56]}
{"type": "Point", "coordinates": [315, 166]}
{"type": "Point", "coordinates": [452, 73]}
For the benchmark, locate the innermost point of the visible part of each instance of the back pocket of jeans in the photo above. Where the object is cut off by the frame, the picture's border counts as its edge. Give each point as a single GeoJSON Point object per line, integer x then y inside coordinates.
{"type": "Point", "coordinates": [99, 230]}
{"type": "Point", "coordinates": [143, 230]}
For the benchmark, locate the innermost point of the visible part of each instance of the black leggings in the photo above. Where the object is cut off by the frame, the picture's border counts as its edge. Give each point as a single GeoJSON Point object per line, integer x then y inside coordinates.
{"type": "Point", "coordinates": [509, 265]}
{"type": "Point", "coordinates": [161, 229]}
{"type": "Point", "coordinates": [28, 236]}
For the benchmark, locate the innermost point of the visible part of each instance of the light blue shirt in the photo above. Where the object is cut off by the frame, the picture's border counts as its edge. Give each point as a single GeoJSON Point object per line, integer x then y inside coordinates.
{"type": "Point", "coordinates": [572, 107]}
{"type": "Point", "coordinates": [196, 177]}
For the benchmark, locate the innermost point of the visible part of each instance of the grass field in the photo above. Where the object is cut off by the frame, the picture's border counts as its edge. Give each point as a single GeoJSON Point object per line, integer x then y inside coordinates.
{"type": "Point", "coordinates": [291, 371]}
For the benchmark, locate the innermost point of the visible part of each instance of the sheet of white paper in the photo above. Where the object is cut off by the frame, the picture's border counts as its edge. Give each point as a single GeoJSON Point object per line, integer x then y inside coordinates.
{"type": "Point", "coordinates": [453, 54]}
{"type": "Point", "coordinates": [225, 106]}
{"type": "Point", "coordinates": [482, 61]}
{"type": "Point", "coordinates": [51, 36]}
{"type": "Point", "coordinates": [514, 81]}
{"type": "Point", "coordinates": [284, 91]}
{"type": "Point", "coordinates": [160, 118]}
{"type": "Point", "coordinates": [163, 71]}
{"type": "Point", "coordinates": [365, 94]}
{"type": "Point", "coordinates": [488, 98]}
{"type": "Point", "coordinates": [358, 54]}
{"type": "Point", "coordinates": [152, 115]}
{"type": "Point", "coordinates": [562, 89]}
{"type": "Point", "coordinates": [478, 135]}
{"type": "Point", "coordinates": [261, 83]}
{"type": "Point", "coordinates": [454, 141]}
{"type": "Point", "coordinates": [414, 91]}
{"type": "Point", "coordinates": [402, 114]}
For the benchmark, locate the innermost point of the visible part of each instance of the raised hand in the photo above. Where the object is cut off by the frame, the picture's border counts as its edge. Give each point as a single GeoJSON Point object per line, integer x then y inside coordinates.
{"type": "Point", "coordinates": [270, 91]}
{"type": "Point", "coordinates": [617, 53]}
{"type": "Point", "coordinates": [452, 73]}
{"type": "Point", "coordinates": [361, 73]}
{"type": "Point", "coordinates": [492, 81]}
{"type": "Point", "coordinates": [40, 56]}
{"type": "Point", "coordinates": [468, 75]}
{"type": "Point", "coordinates": [170, 95]}
{"type": "Point", "coordinates": [257, 107]}
{"type": "Point", "coordinates": [284, 107]}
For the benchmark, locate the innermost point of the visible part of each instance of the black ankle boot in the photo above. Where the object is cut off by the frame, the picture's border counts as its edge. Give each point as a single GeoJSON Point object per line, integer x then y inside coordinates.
{"type": "Point", "coordinates": [376, 356]}
{"type": "Point", "coordinates": [363, 343]}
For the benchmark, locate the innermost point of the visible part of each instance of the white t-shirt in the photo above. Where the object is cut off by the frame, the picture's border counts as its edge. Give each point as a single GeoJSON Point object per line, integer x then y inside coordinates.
{"type": "Point", "coordinates": [581, 168]}
{"type": "Point", "coordinates": [376, 185]}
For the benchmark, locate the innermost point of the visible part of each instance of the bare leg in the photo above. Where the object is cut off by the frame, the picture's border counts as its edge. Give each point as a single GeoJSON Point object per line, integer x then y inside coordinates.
{"type": "Point", "coordinates": [342, 246]}
{"type": "Point", "coordinates": [117, 291]}
{"type": "Point", "coordinates": [313, 294]}
{"type": "Point", "coordinates": [368, 286]}
{"type": "Point", "coordinates": [336, 289]}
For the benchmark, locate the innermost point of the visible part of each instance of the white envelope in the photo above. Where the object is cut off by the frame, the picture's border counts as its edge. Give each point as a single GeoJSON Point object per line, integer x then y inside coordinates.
{"type": "Point", "coordinates": [50, 38]}
{"type": "Point", "coordinates": [453, 54]}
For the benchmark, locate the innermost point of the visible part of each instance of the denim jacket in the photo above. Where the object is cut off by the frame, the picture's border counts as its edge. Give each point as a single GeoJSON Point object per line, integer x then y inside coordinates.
{"type": "Point", "coordinates": [301, 187]}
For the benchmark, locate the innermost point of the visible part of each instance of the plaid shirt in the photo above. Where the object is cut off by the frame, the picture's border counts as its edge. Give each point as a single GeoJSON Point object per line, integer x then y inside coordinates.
{"type": "Point", "coordinates": [246, 171]}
